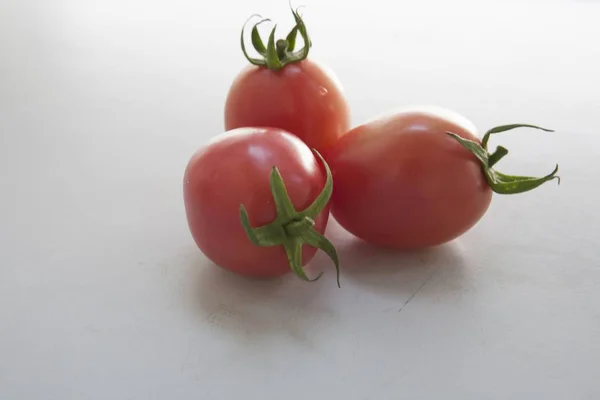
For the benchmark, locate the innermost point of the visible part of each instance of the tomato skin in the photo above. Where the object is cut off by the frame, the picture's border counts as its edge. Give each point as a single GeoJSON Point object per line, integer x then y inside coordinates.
{"type": "Point", "coordinates": [302, 98]}
{"type": "Point", "coordinates": [402, 182]}
{"type": "Point", "coordinates": [234, 169]}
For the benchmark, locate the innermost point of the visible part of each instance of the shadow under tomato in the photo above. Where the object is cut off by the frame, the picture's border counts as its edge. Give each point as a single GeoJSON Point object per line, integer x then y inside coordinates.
{"type": "Point", "coordinates": [401, 273]}
{"type": "Point", "coordinates": [254, 309]}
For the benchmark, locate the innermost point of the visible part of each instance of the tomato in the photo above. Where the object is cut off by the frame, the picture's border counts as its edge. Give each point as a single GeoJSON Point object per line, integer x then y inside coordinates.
{"type": "Point", "coordinates": [417, 178]}
{"type": "Point", "coordinates": [286, 90]}
{"type": "Point", "coordinates": [242, 215]}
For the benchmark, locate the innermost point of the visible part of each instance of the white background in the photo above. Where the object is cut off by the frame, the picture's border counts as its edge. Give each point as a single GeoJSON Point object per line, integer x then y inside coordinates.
{"type": "Point", "coordinates": [103, 294]}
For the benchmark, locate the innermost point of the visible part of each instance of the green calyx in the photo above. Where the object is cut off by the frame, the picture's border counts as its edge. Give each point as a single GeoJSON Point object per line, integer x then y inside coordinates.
{"type": "Point", "coordinates": [292, 229]}
{"type": "Point", "coordinates": [277, 53]}
{"type": "Point", "coordinates": [499, 182]}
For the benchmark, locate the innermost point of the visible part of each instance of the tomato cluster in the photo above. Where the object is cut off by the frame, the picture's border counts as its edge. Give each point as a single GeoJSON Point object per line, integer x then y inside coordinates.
{"type": "Point", "coordinates": [258, 197]}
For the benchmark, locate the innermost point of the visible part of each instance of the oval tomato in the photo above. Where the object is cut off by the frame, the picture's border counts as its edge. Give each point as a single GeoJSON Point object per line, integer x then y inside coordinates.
{"type": "Point", "coordinates": [284, 89]}
{"type": "Point", "coordinates": [235, 183]}
{"type": "Point", "coordinates": [404, 181]}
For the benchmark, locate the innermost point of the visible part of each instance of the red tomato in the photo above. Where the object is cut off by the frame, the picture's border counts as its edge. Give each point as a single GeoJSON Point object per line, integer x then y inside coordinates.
{"type": "Point", "coordinates": [233, 170]}
{"type": "Point", "coordinates": [401, 182]}
{"type": "Point", "coordinates": [289, 92]}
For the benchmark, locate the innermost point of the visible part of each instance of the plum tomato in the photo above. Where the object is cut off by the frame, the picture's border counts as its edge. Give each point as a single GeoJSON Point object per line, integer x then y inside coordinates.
{"type": "Point", "coordinates": [418, 178]}
{"type": "Point", "coordinates": [284, 89]}
{"type": "Point", "coordinates": [241, 214]}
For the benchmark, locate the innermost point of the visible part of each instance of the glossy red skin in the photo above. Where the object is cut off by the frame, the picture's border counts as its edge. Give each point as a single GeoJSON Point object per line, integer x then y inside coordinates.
{"type": "Point", "coordinates": [401, 182]}
{"type": "Point", "coordinates": [302, 98]}
{"type": "Point", "coordinates": [234, 169]}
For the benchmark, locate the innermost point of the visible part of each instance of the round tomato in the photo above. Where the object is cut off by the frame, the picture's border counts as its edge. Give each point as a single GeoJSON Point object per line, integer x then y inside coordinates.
{"type": "Point", "coordinates": [417, 178]}
{"type": "Point", "coordinates": [241, 213]}
{"type": "Point", "coordinates": [284, 89]}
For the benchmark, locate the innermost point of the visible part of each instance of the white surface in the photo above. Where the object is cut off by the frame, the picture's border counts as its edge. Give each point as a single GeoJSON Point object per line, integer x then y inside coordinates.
{"type": "Point", "coordinates": [104, 295]}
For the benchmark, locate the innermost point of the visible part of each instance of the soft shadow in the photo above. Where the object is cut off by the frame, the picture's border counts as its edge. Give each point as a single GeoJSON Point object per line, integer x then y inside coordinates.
{"type": "Point", "coordinates": [400, 273]}
{"type": "Point", "coordinates": [256, 309]}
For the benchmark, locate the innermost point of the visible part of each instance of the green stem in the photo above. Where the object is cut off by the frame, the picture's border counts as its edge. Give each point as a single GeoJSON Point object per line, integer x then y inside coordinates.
{"type": "Point", "coordinates": [497, 156]}
{"type": "Point", "coordinates": [278, 53]}
{"type": "Point", "coordinates": [281, 46]}
{"type": "Point", "coordinates": [298, 228]}
{"type": "Point", "coordinates": [292, 229]}
{"type": "Point", "coordinates": [499, 182]}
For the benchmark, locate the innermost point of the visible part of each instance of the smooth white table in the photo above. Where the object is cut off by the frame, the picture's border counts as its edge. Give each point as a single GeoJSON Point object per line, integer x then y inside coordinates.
{"type": "Point", "coordinates": [103, 294]}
